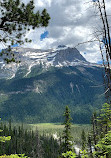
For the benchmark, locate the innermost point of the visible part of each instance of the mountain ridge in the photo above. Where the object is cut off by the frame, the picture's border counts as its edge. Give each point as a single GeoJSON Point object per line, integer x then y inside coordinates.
{"type": "Point", "coordinates": [40, 94]}
{"type": "Point", "coordinates": [59, 57]}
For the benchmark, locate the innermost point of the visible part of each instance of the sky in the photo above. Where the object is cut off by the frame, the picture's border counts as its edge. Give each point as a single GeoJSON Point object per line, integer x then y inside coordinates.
{"type": "Point", "coordinates": [72, 22]}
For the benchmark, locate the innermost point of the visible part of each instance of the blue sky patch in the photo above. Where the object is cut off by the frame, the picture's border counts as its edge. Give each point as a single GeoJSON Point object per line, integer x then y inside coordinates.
{"type": "Point", "coordinates": [100, 62]}
{"type": "Point", "coordinates": [95, 0]}
{"type": "Point", "coordinates": [15, 45]}
{"type": "Point", "coordinates": [44, 35]}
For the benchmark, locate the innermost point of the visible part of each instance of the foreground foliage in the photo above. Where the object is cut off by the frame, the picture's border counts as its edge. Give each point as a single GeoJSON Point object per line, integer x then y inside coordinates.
{"type": "Point", "coordinates": [69, 154]}
{"type": "Point", "coordinates": [100, 137]}
{"type": "Point", "coordinates": [104, 146]}
{"type": "Point", "coordinates": [98, 143]}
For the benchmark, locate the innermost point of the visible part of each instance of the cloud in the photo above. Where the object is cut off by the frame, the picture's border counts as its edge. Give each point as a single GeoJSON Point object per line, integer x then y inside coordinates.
{"type": "Point", "coordinates": [72, 22]}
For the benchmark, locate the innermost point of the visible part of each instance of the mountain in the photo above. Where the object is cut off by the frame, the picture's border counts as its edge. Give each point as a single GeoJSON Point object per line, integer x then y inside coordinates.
{"type": "Point", "coordinates": [62, 56]}
{"type": "Point", "coordinates": [39, 88]}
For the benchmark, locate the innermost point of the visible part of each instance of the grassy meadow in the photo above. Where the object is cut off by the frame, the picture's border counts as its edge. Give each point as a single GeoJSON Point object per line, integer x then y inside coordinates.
{"type": "Point", "coordinates": [57, 129]}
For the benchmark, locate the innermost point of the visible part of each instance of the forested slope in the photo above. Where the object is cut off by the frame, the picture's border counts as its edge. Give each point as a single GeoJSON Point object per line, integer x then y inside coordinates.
{"type": "Point", "coordinates": [42, 95]}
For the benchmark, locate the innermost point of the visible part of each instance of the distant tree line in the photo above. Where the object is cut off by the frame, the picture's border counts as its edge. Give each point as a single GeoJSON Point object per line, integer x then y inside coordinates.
{"type": "Point", "coordinates": [28, 142]}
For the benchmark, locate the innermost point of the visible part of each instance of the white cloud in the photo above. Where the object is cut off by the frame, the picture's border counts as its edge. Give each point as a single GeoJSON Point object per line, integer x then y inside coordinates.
{"type": "Point", "coordinates": [36, 43]}
{"type": "Point", "coordinates": [43, 3]}
{"type": "Point", "coordinates": [72, 22]}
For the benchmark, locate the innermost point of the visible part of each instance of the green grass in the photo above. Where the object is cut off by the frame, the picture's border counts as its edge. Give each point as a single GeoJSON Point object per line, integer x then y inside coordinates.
{"type": "Point", "coordinates": [54, 128]}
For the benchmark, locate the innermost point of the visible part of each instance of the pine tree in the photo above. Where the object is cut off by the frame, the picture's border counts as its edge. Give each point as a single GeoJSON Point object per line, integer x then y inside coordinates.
{"type": "Point", "coordinates": [105, 119]}
{"type": "Point", "coordinates": [17, 18]}
{"type": "Point", "coordinates": [37, 151]}
{"type": "Point", "coordinates": [83, 139]}
{"type": "Point", "coordinates": [95, 135]}
{"type": "Point", "coordinates": [104, 132]}
{"type": "Point", "coordinates": [67, 138]}
{"type": "Point", "coordinates": [90, 146]}
{"type": "Point", "coordinates": [104, 146]}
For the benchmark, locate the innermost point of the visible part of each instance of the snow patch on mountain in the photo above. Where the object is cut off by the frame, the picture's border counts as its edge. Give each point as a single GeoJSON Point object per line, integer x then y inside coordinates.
{"type": "Point", "coordinates": [62, 56]}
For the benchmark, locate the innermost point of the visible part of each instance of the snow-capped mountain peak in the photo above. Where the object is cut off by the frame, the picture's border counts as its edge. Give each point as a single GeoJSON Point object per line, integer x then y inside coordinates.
{"type": "Point", "coordinates": [62, 56]}
{"type": "Point", "coordinates": [50, 57]}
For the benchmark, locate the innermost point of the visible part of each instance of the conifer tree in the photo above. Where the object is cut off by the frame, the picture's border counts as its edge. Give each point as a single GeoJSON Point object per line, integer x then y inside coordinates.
{"type": "Point", "coordinates": [4, 138]}
{"type": "Point", "coordinates": [83, 139]}
{"type": "Point", "coordinates": [67, 144]}
{"type": "Point", "coordinates": [104, 146]}
{"type": "Point", "coordinates": [37, 151]}
{"type": "Point", "coordinates": [90, 146]}
{"type": "Point", "coordinates": [16, 18]}
{"type": "Point", "coordinates": [95, 128]}
{"type": "Point", "coordinates": [104, 119]}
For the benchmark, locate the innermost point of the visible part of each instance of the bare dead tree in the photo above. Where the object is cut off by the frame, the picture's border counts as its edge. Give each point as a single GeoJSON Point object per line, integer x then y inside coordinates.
{"type": "Point", "coordinates": [104, 44]}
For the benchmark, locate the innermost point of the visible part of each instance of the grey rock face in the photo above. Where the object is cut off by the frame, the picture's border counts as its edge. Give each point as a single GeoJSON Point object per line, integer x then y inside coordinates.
{"type": "Point", "coordinates": [68, 55]}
